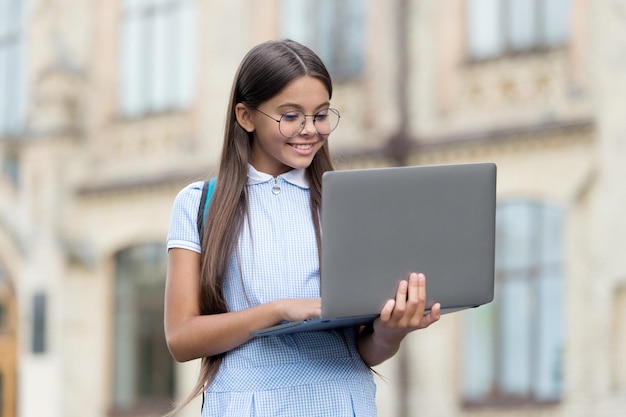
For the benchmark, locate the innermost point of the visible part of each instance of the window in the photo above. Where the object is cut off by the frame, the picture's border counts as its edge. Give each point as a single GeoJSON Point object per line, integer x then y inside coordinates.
{"type": "Point", "coordinates": [143, 367]}
{"type": "Point", "coordinates": [333, 29]}
{"type": "Point", "coordinates": [496, 27]}
{"type": "Point", "coordinates": [514, 345]}
{"type": "Point", "coordinates": [9, 164]}
{"type": "Point", "coordinates": [157, 56]}
{"type": "Point", "coordinates": [3, 316]}
{"type": "Point", "coordinates": [12, 73]}
{"type": "Point", "coordinates": [619, 339]}
{"type": "Point", "coordinates": [39, 323]}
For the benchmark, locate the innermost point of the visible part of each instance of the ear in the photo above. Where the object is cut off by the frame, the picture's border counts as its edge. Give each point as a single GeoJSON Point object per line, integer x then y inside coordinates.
{"type": "Point", "coordinates": [244, 117]}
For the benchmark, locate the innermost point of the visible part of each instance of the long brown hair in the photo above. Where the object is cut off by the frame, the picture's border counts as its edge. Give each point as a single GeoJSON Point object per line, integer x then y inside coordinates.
{"type": "Point", "coordinates": [263, 73]}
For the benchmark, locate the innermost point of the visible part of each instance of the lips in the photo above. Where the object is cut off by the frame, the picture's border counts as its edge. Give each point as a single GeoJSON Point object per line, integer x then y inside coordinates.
{"type": "Point", "coordinates": [301, 146]}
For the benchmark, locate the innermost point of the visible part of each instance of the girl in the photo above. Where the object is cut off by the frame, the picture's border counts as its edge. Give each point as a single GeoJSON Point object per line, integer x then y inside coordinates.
{"type": "Point", "coordinates": [257, 262]}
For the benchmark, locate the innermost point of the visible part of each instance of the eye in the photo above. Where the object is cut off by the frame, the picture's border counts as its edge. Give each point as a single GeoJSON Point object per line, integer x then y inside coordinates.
{"type": "Point", "coordinates": [321, 116]}
{"type": "Point", "coordinates": [291, 116]}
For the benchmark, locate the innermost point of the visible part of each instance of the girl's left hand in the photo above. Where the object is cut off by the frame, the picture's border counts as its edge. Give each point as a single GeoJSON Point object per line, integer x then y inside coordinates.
{"type": "Point", "coordinates": [405, 313]}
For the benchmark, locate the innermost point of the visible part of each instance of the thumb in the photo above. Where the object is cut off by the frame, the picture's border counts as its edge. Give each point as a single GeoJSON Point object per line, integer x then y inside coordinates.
{"type": "Point", "coordinates": [385, 314]}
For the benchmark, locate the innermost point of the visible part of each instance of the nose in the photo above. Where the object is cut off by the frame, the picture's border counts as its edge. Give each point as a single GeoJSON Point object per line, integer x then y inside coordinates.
{"type": "Point", "coordinates": [309, 128]}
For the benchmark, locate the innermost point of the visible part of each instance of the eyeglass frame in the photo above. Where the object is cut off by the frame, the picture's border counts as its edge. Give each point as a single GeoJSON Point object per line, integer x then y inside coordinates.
{"type": "Point", "coordinates": [304, 122]}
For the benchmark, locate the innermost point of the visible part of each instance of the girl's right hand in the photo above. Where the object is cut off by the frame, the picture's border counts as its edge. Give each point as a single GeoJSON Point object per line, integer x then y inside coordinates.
{"type": "Point", "coordinates": [296, 309]}
{"type": "Point", "coordinates": [191, 335]}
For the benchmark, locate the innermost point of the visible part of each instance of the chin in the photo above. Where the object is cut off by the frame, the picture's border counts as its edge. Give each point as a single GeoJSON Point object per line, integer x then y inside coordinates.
{"type": "Point", "coordinates": [301, 165]}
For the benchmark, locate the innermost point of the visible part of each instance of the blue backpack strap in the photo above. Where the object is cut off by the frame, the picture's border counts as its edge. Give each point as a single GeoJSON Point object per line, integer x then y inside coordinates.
{"type": "Point", "coordinates": [205, 202]}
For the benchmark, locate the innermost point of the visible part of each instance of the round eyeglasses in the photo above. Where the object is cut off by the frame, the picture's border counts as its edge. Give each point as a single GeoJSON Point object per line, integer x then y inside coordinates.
{"type": "Point", "coordinates": [292, 123]}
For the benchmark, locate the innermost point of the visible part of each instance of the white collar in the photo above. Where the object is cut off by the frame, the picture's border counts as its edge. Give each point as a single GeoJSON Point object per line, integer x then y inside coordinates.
{"type": "Point", "coordinates": [295, 177]}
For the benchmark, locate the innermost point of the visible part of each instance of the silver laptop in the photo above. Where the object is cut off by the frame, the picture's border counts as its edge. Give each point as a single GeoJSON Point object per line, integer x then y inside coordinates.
{"type": "Point", "coordinates": [378, 225]}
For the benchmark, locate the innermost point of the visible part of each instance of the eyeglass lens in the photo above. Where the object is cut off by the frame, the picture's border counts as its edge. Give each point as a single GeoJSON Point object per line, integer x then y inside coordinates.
{"type": "Point", "coordinates": [293, 122]}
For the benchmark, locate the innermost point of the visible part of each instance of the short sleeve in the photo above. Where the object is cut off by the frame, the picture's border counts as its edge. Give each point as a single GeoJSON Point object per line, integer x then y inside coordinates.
{"type": "Point", "coordinates": [183, 230]}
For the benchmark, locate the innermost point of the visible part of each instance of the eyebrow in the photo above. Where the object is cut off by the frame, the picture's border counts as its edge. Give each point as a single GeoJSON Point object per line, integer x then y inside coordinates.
{"type": "Point", "coordinates": [299, 107]}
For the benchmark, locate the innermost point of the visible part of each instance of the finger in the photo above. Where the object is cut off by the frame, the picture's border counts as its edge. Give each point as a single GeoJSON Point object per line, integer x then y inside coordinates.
{"type": "Point", "coordinates": [432, 316]}
{"type": "Point", "coordinates": [414, 285]}
{"type": "Point", "coordinates": [315, 312]}
{"type": "Point", "coordinates": [401, 295]}
{"type": "Point", "coordinates": [435, 311]}
{"type": "Point", "coordinates": [316, 307]}
{"type": "Point", "coordinates": [385, 314]}
{"type": "Point", "coordinates": [420, 302]}
{"type": "Point", "coordinates": [413, 296]}
{"type": "Point", "coordinates": [420, 297]}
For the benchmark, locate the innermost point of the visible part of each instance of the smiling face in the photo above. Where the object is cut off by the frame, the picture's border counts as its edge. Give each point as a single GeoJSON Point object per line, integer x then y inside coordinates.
{"type": "Point", "coordinates": [272, 152]}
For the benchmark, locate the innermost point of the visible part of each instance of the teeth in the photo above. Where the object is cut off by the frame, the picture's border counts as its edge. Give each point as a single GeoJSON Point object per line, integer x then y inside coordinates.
{"type": "Point", "coordinates": [303, 147]}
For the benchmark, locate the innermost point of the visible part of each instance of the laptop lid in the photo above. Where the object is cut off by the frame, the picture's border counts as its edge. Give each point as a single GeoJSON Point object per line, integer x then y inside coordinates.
{"type": "Point", "coordinates": [378, 225]}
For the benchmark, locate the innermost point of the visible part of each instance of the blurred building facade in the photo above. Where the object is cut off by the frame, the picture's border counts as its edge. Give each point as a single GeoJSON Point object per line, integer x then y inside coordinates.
{"type": "Point", "coordinates": [108, 108]}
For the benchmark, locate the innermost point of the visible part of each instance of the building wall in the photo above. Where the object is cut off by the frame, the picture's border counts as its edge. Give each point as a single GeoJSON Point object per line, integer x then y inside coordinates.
{"type": "Point", "coordinates": [93, 183]}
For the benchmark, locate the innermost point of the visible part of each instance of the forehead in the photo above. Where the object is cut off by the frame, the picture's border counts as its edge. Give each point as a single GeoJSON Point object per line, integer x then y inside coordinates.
{"type": "Point", "coordinates": [304, 92]}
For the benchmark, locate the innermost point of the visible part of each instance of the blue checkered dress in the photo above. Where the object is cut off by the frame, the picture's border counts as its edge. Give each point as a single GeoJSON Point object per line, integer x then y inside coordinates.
{"type": "Point", "coordinates": [302, 374]}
